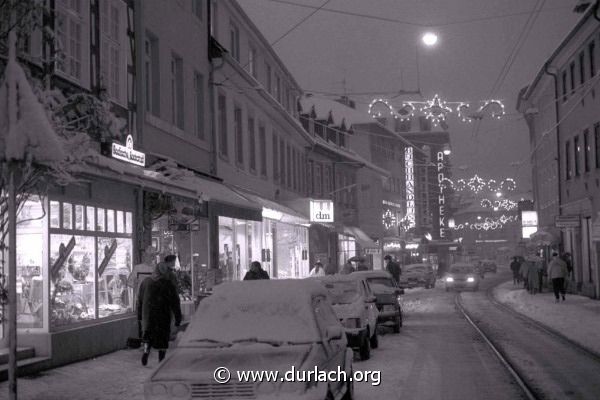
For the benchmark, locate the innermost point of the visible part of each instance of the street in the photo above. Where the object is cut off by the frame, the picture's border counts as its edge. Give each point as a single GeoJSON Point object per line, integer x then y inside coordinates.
{"type": "Point", "coordinates": [437, 355]}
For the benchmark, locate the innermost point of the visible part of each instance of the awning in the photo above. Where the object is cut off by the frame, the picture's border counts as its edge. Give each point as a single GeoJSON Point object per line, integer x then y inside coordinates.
{"type": "Point", "coordinates": [361, 237]}
{"type": "Point", "coordinates": [274, 210]}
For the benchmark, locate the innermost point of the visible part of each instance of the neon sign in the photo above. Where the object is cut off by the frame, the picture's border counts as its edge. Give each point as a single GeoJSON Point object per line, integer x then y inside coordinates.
{"type": "Point", "coordinates": [409, 174]}
{"type": "Point", "coordinates": [441, 196]}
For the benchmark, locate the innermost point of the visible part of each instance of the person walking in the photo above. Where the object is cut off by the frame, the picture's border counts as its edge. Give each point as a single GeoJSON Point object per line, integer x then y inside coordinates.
{"type": "Point", "coordinates": [317, 270]}
{"type": "Point", "coordinates": [157, 300]}
{"type": "Point", "coordinates": [347, 268]}
{"type": "Point", "coordinates": [533, 274]}
{"type": "Point", "coordinates": [557, 272]}
{"type": "Point", "coordinates": [515, 266]}
{"type": "Point", "coordinates": [523, 272]}
{"type": "Point", "coordinates": [392, 267]}
{"type": "Point", "coordinates": [256, 272]}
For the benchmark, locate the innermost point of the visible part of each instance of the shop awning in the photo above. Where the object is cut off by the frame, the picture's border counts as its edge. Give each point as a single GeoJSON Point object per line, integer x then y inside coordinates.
{"type": "Point", "coordinates": [361, 237]}
{"type": "Point", "coordinates": [274, 210]}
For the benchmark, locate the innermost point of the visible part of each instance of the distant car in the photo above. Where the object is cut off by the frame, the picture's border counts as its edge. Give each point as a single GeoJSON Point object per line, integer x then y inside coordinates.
{"type": "Point", "coordinates": [354, 304]}
{"type": "Point", "coordinates": [489, 266]}
{"type": "Point", "coordinates": [261, 325]}
{"type": "Point", "coordinates": [462, 276]}
{"type": "Point", "coordinates": [387, 294]}
{"type": "Point", "coordinates": [417, 275]}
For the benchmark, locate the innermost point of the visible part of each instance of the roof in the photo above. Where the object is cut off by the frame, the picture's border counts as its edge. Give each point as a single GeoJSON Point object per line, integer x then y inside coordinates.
{"type": "Point", "coordinates": [339, 112]}
{"type": "Point", "coordinates": [350, 154]}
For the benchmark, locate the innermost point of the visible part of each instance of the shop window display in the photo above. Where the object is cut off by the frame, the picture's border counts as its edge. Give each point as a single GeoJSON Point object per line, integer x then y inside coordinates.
{"type": "Point", "coordinates": [240, 243]}
{"type": "Point", "coordinates": [114, 266]}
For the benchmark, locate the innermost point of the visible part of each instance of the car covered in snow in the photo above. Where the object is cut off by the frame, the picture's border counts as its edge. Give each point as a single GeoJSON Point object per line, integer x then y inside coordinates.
{"type": "Point", "coordinates": [355, 306]}
{"type": "Point", "coordinates": [417, 275]}
{"type": "Point", "coordinates": [387, 295]}
{"type": "Point", "coordinates": [263, 325]}
{"type": "Point", "coordinates": [462, 276]}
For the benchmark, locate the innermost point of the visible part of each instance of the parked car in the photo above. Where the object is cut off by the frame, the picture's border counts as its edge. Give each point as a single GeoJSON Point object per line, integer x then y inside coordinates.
{"type": "Point", "coordinates": [489, 266]}
{"type": "Point", "coordinates": [462, 276]}
{"type": "Point", "coordinates": [418, 275]}
{"type": "Point", "coordinates": [387, 295]}
{"type": "Point", "coordinates": [271, 325]}
{"type": "Point", "coordinates": [354, 304]}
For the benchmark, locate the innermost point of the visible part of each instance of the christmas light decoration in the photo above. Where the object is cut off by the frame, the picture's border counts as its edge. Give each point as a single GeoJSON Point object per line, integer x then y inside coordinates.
{"type": "Point", "coordinates": [437, 109]}
{"type": "Point", "coordinates": [504, 204]}
{"type": "Point", "coordinates": [477, 185]}
{"type": "Point", "coordinates": [388, 219]}
{"type": "Point", "coordinates": [487, 223]}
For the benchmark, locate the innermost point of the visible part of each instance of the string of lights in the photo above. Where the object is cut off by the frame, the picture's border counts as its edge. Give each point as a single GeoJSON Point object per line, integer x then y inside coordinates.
{"type": "Point", "coordinates": [476, 184]}
{"type": "Point", "coordinates": [487, 224]}
{"type": "Point", "coordinates": [504, 204]}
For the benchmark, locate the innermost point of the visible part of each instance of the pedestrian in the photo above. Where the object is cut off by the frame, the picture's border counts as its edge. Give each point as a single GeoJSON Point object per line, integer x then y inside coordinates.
{"type": "Point", "coordinates": [157, 300]}
{"type": "Point", "coordinates": [515, 266]}
{"type": "Point", "coordinates": [317, 270]}
{"type": "Point", "coordinates": [256, 272]}
{"type": "Point", "coordinates": [557, 272]}
{"type": "Point", "coordinates": [532, 275]}
{"type": "Point", "coordinates": [140, 272]}
{"type": "Point", "coordinates": [347, 268]}
{"type": "Point", "coordinates": [331, 269]}
{"type": "Point", "coordinates": [523, 272]}
{"type": "Point", "coordinates": [567, 259]}
{"type": "Point", "coordinates": [392, 267]}
{"type": "Point", "coordinates": [541, 265]}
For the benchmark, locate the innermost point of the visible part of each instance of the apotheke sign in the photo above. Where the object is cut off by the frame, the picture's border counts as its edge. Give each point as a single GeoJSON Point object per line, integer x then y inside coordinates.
{"type": "Point", "coordinates": [321, 211]}
{"type": "Point", "coordinates": [127, 153]}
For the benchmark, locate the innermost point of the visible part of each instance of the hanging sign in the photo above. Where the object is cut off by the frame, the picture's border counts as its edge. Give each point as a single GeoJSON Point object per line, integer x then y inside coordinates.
{"type": "Point", "coordinates": [127, 153]}
{"type": "Point", "coordinates": [409, 175]}
{"type": "Point", "coordinates": [321, 211]}
{"type": "Point", "coordinates": [441, 197]}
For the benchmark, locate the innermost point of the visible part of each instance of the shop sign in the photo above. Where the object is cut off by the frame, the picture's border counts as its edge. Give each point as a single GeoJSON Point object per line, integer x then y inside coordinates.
{"type": "Point", "coordinates": [321, 211]}
{"type": "Point", "coordinates": [409, 175]}
{"type": "Point", "coordinates": [412, 246]}
{"type": "Point", "coordinates": [567, 221]}
{"type": "Point", "coordinates": [373, 251]}
{"type": "Point", "coordinates": [395, 245]}
{"type": "Point", "coordinates": [441, 197]}
{"type": "Point", "coordinates": [127, 153]}
{"type": "Point", "coordinates": [529, 223]}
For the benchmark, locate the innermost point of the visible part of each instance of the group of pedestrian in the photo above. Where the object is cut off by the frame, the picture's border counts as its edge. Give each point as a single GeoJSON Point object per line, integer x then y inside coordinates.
{"type": "Point", "coordinates": [531, 272]}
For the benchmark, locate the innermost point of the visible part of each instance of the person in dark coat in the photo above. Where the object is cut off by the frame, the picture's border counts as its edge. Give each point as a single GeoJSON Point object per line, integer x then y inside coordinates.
{"type": "Point", "coordinates": [157, 300]}
{"type": "Point", "coordinates": [256, 272]}
{"type": "Point", "coordinates": [347, 268]}
{"type": "Point", "coordinates": [392, 267]}
{"type": "Point", "coordinates": [515, 266]}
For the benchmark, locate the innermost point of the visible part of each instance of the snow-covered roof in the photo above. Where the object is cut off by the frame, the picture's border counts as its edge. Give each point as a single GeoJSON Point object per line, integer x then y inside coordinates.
{"type": "Point", "coordinates": [265, 310]}
{"type": "Point", "coordinates": [339, 112]}
{"type": "Point", "coordinates": [351, 154]}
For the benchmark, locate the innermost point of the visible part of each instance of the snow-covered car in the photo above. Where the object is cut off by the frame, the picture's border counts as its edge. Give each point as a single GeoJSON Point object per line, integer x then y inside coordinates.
{"type": "Point", "coordinates": [263, 325]}
{"type": "Point", "coordinates": [489, 266]}
{"type": "Point", "coordinates": [462, 276]}
{"type": "Point", "coordinates": [387, 294]}
{"type": "Point", "coordinates": [354, 304]}
{"type": "Point", "coordinates": [418, 275]}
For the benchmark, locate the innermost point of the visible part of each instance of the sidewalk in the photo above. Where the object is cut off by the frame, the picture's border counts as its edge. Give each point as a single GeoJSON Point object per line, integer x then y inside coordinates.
{"type": "Point", "coordinates": [117, 375]}
{"type": "Point", "coordinates": [577, 318]}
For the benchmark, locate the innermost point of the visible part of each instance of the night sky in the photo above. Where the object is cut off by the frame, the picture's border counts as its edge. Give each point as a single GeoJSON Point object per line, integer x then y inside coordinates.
{"type": "Point", "coordinates": [379, 54]}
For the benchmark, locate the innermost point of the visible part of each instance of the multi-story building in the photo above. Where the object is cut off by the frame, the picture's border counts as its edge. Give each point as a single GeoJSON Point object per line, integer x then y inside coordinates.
{"type": "Point", "coordinates": [560, 106]}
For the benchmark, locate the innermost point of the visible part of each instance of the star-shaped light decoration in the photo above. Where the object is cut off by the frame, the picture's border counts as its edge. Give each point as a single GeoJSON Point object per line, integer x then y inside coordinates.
{"type": "Point", "coordinates": [388, 219]}
{"type": "Point", "coordinates": [435, 110]}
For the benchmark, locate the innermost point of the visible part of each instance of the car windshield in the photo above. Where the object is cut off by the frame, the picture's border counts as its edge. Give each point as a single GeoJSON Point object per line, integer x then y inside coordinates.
{"type": "Point", "coordinates": [461, 269]}
{"type": "Point", "coordinates": [381, 285]}
{"type": "Point", "coordinates": [343, 292]}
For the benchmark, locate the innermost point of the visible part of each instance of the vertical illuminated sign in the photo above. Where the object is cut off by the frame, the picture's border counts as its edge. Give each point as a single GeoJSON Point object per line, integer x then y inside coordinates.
{"type": "Point", "coordinates": [441, 196]}
{"type": "Point", "coordinates": [409, 174]}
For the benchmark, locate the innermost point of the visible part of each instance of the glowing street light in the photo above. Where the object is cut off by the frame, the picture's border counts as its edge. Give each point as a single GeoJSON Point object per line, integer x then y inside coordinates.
{"type": "Point", "coordinates": [498, 194]}
{"type": "Point", "coordinates": [429, 39]}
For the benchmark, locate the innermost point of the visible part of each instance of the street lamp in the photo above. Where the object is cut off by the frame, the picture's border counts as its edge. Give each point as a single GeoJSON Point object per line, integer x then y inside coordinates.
{"type": "Point", "coordinates": [447, 151]}
{"type": "Point", "coordinates": [498, 194]}
{"type": "Point", "coordinates": [429, 39]}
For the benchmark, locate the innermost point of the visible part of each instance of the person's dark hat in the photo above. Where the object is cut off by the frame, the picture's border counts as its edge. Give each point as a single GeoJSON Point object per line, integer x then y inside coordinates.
{"type": "Point", "coordinates": [387, 257]}
{"type": "Point", "coordinates": [170, 258]}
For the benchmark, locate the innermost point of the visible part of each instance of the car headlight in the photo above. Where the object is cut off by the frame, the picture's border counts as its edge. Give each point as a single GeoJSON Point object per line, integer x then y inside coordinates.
{"type": "Point", "coordinates": [470, 279]}
{"type": "Point", "coordinates": [179, 390]}
{"type": "Point", "coordinates": [156, 391]}
{"type": "Point", "coordinates": [449, 279]}
{"type": "Point", "coordinates": [351, 323]}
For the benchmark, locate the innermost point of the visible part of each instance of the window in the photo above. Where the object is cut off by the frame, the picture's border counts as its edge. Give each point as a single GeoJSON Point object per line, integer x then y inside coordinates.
{"type": "Point", "coordinates": [275, 157]}
{"type": "Point", "coordinates": [213, 17]}
{"type": "Point", "coordinates": [592, 55]}
{"type": "Point", "coordinates": [577, 148]}
{"type": "Point", "coordinates": [199, 100]}
{"type": "Point", "coordinates": [289, 167]}
{"type": "Point", "coordinates": [70, 34]}
{"type": "Point", "coordinates": [282, 162]}
{"type": "Point", "coordinates": [262, 142]}
{"type": "Point", "coordinates": [177, 91]}
{"type": "Point", "coordinates": [239, 135]}
{"type": "Point", "coordinates": [197, 8]}
{"type": "Point", "coordinates": [564, 86]}
{"type": "Point", "coordinates": [587, 150]}
{"type": "Point", "coordinates": [568, 159]}
{"type": "Point", "coordinates": [597, 143]}
{"type": "Point", "coordinates": [113, 67]}
{"type": "Point", "coordinates": [318, 189]}
{"type": "Point", "coordinates": [252, 61]}
{"type": "Point", "coordinates": [269, 79]}
{"type": "Point", "coordinates": [151, 74]}
{"type": "Point", "coordinates": [234, 41]}
{"type": "Point", "coordinates": [252, 144]}
{"type": "Point", "coordinates": [327, 181]}
{"type": "Point", "coordinates": [222, 115]}
{"type": "Point", "coordinates": [572, 72]}
{"type": "Point", "coordinates": [581, 67]}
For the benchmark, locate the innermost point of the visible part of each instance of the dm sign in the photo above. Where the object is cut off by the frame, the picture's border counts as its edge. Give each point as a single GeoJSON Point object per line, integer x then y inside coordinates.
{"type": "Point", "coordinates": [128, 154]}
{"type": "Point", "coordinates": [321, 211]}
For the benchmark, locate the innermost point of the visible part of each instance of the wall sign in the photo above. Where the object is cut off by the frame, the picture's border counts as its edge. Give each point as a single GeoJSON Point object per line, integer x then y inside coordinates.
{"type": "Point", "coordinates": [321, 211]}
{"type": "Point", "coordinates": [441, 196]}
{"type": "Point", "coordinates": [409, 174]}
{"type": "Point", "coordinates": [529, 223]}
{"type": "Point", "coordinates": [127, 153]}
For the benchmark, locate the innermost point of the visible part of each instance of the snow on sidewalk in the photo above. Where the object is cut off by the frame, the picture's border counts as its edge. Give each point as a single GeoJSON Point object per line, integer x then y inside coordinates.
{"type": "Point", "coordinates": [577, 318]}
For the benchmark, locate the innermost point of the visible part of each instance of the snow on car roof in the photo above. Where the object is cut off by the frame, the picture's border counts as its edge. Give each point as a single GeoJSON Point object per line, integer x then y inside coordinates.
{"type": "Point", "coordinates": [262, 310]}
